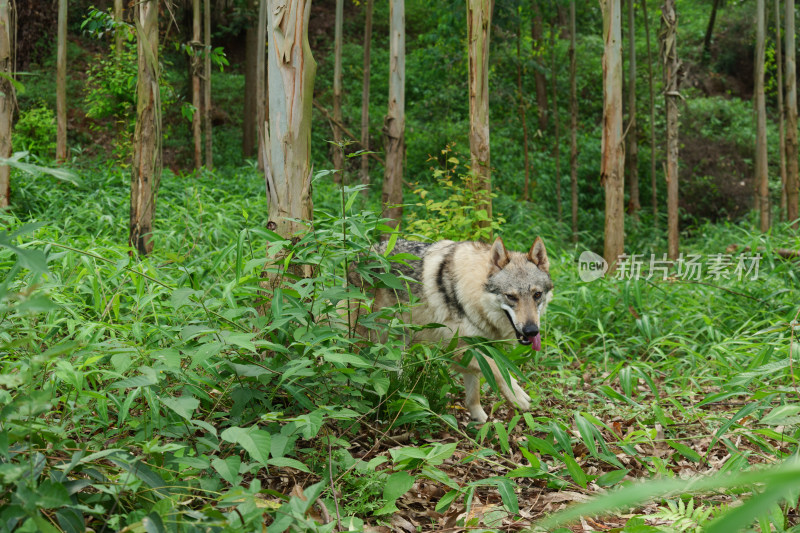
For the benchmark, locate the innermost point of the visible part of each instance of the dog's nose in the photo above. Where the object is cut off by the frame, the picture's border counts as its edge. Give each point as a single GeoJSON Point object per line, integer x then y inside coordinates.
{"type": "Point", "coordinates": [530, 329]}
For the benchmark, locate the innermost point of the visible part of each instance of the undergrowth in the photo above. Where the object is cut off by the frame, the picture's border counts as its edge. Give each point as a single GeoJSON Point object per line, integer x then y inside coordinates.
{"type": "Point", "coordinates": [153, 395]}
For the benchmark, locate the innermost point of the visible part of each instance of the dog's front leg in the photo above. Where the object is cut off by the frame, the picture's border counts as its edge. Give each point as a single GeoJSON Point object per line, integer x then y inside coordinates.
{"type": "Point", "coordinates": [472, 387]}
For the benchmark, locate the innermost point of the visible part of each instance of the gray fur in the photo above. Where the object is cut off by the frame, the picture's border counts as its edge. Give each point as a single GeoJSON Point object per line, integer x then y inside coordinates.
{"type": "Point", "coordinates": [474, 289]}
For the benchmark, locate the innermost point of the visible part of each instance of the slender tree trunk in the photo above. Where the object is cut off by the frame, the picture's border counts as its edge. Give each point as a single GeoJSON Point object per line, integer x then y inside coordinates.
{"type": "Point", "coordinates": [669, 56]}
{"type": "Point", "coordinates": [249, 121]}
{"type": "Point", "coordinates": [394, 124]}
{"type": "Point", "coordinates": [146, 168]}
{"type": "Point", "coordinates": [632, 137]}
{"type": "Point", "coordinates": [653, 182]}
{"type": "Point", "coordinates": [479, 23]}
{"type": "Point", "coordinates": [781, 128]}
{"type": "Point", "coordinates": [365, 96]}
{"type": "Point", "coordinates": [761, 170]}
{"type": "Point", "coordinates": [791, 117]}
{"type": "Point", "coordinates": [197, 130]}
{"type": "Point", "coordinates": [61, 83]}
{"type": "Point", "coordinates": [261, 80]}
{"type": "Point", "coordinates": [207, 84]}
{"type": "Point", "coordinates": [573, 113]}
{"type": "Point", "coordinates": [288, 139]}
{"type": "Point", "coordinates": [7, 95]}
{"type": "Point", "coordinates": [118, 37]}
{"type": "Point", "coordinates": [710, 29]}
{"type": "Point", "coordinates": [537, 35]}
{"type": "Point", "coordinates": [523, 118]}
{"type": "Point", "coordinates": [613, 149]}
{"type": "Point", "coordinates": [338, 152]}
{"type": "Point", "coordinates": [556, 124]}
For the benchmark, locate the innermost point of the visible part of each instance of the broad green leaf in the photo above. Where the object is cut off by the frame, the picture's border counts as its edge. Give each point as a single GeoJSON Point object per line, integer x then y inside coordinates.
{"type": "Point", "coordinates": [396, 485]}
{"type": "Point", "coordinates": [184, 406]}
{"type": "Point", "coordinates": [228, 468]}
{"type": "Point", "coordinates": [254, 441]}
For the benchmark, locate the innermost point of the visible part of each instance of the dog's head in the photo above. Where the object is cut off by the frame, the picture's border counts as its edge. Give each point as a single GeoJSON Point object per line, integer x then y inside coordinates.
{"type": "Point", "coordinates": [521, 286]}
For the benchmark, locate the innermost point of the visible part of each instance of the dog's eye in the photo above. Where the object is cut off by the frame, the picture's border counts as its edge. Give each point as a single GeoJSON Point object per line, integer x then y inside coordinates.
{"type": "Point", "coordinates": [537, 295]}
{"type": "Point", "coordinates": [511, 297]}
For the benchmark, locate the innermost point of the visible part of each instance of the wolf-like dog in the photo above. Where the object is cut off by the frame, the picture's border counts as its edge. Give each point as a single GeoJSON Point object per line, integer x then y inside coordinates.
{"type": "Point", "coordinates": [474, 289]}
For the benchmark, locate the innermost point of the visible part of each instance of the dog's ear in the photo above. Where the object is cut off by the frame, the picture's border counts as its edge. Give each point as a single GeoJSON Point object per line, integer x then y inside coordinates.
{"type": "Point", "coordinates": [498, 254]}
{"type": "Point", "coordinates": [538, 256]}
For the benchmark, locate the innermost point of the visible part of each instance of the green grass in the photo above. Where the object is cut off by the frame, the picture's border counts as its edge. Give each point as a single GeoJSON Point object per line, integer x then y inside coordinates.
{"type": "Point", "coordinates": [153, 393]}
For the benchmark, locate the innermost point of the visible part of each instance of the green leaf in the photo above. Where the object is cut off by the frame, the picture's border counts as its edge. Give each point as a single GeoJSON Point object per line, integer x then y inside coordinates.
{"type": "Point", "coordinates": [396, 485]}
{"type": "Point", "coordinates": [254, 441]}
{"type": "Point", "coordinates": [685, 451]}
{"type": "Point", "coordinates": [228, 468]}
{"type": "Point", "coordinates": [611, 478]}
{"type": "Point", "coordinates": [575, 471]}
{"type": "Point", "coordinates": [783, 415]}
{"type": "Point", "coordinates": [184, 406]}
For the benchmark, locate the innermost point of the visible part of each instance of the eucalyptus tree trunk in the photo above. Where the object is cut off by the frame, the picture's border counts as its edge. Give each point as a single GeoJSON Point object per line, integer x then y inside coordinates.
{"type": "Point", "coordinates": [522, 114]}
{"type": "Point", "coordinates": [479, 23]}
{"type": "Point", "coordinates": [261, 80]}
{"type": "Point", "coordinates": [287, 168]}
{"type": "Point", "coordinates": [612, 165]}
{"type": "Point", "coordinates": [781, 128]}
{"type": "Point", "coordinates": [791, 117]}
{"type": "Point", "coordinates": [653, 182]}
{"type": "Point", "coordinates": [537, 35]}
{"type": "Point", "coordinates": [61, 83]}
{"type": "Point", "coordinates": [146, 167]}
{"type": "Point", "coordinates": [394, 124]}
{"type": "Point", "coordinates": [7, 95]}
{"type": "Point", "coordinates": [365, 96]}
{"type": "Point", "coordinates": [669, 57]}
{"type": "Point", "coordinates": [197, 130]}
{"type": "Point", "coordinates": [118, 36]}
{"type": "Point", "coordinates": [556, 124]}
{"type": "Point", "coordinates": [338, 153]}
{"type": "Point", "coordinates": [207, 84]}
{"type": "Point", "coordinates": [632, 137]}
{"type": "Point", "coordinates": [573, 113]}
{"type": "Point", "coordinates": [761, 170]}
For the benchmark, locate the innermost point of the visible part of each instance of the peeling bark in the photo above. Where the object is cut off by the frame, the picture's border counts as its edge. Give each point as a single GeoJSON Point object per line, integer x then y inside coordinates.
{"type": "Point", "coordinates": [146, 168]}
{"type": "Point", "coordinates": [394, 123]}
{"type": "Point", "coordinates": [287, 167]}
{"type": "Point", "coordinates": [669, 57]}
{"type": "Point", "coordinates": [613, 150]}
{"type": "Point", "coordinates": [479, 23]}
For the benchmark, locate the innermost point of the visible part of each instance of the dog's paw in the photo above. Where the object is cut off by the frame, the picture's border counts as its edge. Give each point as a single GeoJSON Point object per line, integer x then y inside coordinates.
{"type": "Point", "coordinates": [522, 399]}
{"type": "Point", "coordinates": [477, 414]}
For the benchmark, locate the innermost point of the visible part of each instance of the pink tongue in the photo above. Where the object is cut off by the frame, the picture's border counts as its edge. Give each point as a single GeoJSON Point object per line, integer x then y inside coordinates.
{"type": "Point", "coordinates": [536, 342]}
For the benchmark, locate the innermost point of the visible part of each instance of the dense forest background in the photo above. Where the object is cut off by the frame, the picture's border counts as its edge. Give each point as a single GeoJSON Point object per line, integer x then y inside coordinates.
{"type": "Point", "coordinates": [175, 391]}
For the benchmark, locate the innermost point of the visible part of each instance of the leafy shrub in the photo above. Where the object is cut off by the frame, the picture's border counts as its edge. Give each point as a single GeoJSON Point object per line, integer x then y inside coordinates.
{"type": "Point", "coordinates": [35, 131]}
{"type": "Point", "coordinates": [449, 212]}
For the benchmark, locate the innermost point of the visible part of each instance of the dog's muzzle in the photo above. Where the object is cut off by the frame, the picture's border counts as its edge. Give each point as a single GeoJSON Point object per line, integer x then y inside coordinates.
{"type": "Point", "coordinates": [529, 336]}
